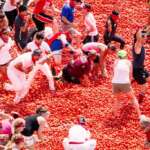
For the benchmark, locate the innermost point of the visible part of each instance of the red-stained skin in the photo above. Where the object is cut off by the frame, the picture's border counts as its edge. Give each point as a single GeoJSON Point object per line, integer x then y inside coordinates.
{"type": "Point", "coordinates": [93, 100]}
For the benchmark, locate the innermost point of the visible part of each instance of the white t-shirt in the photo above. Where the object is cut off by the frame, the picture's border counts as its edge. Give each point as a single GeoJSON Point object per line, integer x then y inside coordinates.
{"type": "Point", "coordinates": [25, 59]}
{"type": "Point", "coordinates": [78, 134]}
{"type": "Point", "coordinates": [44, 47]}
{"type": "Point", "coordinates": [8, 7]}
{"type": "Point", "coordinates": [90, 21]}
{"type": "Point", "coordinates": [5, 56]}
{"type": "Point", "coordinates": [121, 71]}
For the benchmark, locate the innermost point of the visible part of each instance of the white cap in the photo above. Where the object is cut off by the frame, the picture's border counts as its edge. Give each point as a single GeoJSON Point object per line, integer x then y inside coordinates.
{"type": "Point", "coordinates": [48, 32]}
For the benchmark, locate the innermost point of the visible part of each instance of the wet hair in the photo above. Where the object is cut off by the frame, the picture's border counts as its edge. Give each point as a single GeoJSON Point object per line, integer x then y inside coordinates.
{"type": "Point", "coordinates": [82, 120]}
{"type": "Point", "coordinates": [41, 110]}
{"type": "Point", "coordinates": [36, 52]}
{"type": "Point", "coordinates": [2, 16]}
{"type": "Point", "coordinates": [15, 115]}
{"type": "Point", "coordinates": [17, 123]}
{"type": "Point", "coordinates": [87, 6]}
{"type": "Point", "coordinates": [115, 12]}
{"type": "Point", "coordinates": [112, 47]}
{"type": "Point", "coordinates": [78, 1]}
{"type": "Point", "coordinates": [39, 35]}
{"type": "Point", "coordinates": [22, 8]}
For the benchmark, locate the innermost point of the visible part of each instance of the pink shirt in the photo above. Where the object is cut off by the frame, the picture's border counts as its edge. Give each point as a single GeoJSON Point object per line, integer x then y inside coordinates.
{"type": "Point", "coordinates": [6, 127]}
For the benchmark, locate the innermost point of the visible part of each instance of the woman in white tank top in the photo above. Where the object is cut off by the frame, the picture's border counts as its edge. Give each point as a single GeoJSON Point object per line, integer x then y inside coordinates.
{"type": "Point", "coordinates": [121, 83]}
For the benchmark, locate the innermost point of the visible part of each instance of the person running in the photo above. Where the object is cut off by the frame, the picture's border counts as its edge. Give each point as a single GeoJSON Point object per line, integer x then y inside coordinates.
{"type": "Point", "coordinates": [40, 17]}
{"type": "Point", "coordinates": [39, 43]}
{"type": "Point", "coordinates": [79, 68]}
{"type": "Point", "coordinates": [140, 74]}
{"type": "Point", "coordinates": [35, 124]}
{"type": "Point", "coordinates": [79, 137]}
{"type": "Point", "coordinates": [90, 24]}
{"type": "Point", "coordinates": [121, 83]}
{"type": "Point", "coordinates": [110, 30]}
{"type": "Point", "coordinates": [17, 72]}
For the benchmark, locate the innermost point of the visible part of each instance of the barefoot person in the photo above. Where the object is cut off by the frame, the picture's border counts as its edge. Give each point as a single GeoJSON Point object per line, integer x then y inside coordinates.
{"type": "Point", "coordinates": [121, 83]}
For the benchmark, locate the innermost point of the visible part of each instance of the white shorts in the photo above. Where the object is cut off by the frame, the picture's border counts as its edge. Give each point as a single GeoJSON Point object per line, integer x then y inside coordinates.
{"type": "Point", "coordinates": [29, 140]}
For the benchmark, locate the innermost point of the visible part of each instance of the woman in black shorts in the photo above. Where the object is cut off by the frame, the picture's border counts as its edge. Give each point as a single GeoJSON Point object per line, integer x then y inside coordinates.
{"type": "Point", "coordinates": [140, 74]}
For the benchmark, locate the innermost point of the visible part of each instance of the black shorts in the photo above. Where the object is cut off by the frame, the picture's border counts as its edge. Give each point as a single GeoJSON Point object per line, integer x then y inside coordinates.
{"type": "Point", "coordinates": [140, 75]}
{"type": "Point", "coordinates": [39, 24]}
{"type": "Point", "coordinates": [89, 38]}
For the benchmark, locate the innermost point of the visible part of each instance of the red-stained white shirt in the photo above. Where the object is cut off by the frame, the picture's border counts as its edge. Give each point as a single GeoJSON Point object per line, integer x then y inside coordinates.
{"type": "Point", "coordinates": [5, 56]}
{"type": "Point", "coordinates": [44, 47]}
{"type": "Point", "coordinates": [25, 59]}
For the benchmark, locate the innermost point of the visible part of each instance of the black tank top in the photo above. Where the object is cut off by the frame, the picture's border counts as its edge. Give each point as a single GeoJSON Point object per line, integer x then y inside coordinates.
{"type": "Point", "coordinates": [31, 125]}
{"type": "Point", "coordinates": [138, 59]}
{"type": "Point", "coordinates": [113, 25]}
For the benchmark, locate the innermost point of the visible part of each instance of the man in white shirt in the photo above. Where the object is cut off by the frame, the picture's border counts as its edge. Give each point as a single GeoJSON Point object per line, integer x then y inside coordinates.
{"type": "Point", "coordinates": [6, 44]}
{"type": "Point", "coordinates": [39, 43]}
{"type": "Point", "coordinates": [79, 138]}
{"type": "Point", "coordinates": [20, 72]}
{"type": "Point", "coordinates": [90, 24]}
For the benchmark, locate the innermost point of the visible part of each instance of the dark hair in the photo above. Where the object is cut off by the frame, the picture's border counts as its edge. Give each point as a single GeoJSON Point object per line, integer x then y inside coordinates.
{"type": "Point", "coordinates": [115, 12]}
{"type": "Point", "coordinates": [2, 15]}
{"type": "Point", "coordinates": [87, 6]}
{"type": "Point", "coordinates": [15, 115]}
{"type": "Point", "coordinates": [39, 35]}
{"type": "Point", "coordinates": [82, 120]}
{"type": "Point", "coordinates": [41, 110]}
{"type": "Point", "coordinates": [112, 47]}
{"type": "Point", "coordinates": [22, 8]}
{"type": "Point", "coordinates": [36, 52]}
{"type": "Point", "coordinates": [78, 1]}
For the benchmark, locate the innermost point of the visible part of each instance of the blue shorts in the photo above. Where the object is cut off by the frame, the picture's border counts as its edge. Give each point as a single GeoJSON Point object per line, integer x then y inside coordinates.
{"type": "Point", "coordinates": [56, 45]}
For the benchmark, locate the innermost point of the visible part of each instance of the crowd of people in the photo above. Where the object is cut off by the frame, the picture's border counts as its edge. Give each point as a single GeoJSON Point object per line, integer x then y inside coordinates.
{"type": "Point", "coordinates": [37, 39]}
